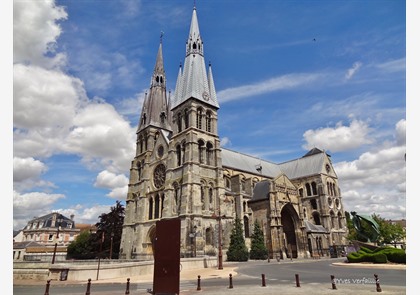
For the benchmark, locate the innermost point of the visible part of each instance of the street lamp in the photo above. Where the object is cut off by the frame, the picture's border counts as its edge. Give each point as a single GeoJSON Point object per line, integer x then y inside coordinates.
{"type": "Point", "coordinates": [110, 250]}
{"type": "Point", "coordinates": [219, 239]}
{"type": "Point", "coordinates": [99, 256]}
{"type": "Point", "coordinates": [56, 239]}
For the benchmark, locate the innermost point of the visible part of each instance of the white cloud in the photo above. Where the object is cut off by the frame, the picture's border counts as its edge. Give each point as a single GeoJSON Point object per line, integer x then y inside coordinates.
{"type": "Point", "coordinates": [29, 205]}
{"type": "Point", "coordinates": [398, 65]}
{"type": "Point", "coordinates": [101, 133]}
{"type": "Point", "coordinates": [52, 115]}
{"type": "Point", "coordinates": [400, 135]}
{"type": "Point", "coordinates": [339, 138]}
{"type": "Point", "coordinates": [350, 72]}
{"type": "Point", "coordinates": [375, 182]}
{"type": "Point", "coordinates": [35, 31]}
{"type": "Point", "coordinates": [25, 168]}
{"type": "Point", "coordinates": [107, 179]}
{"type": "Point", "coordinates": [225, 141]}
{"type": "Point", "coordinates": [267, 86]}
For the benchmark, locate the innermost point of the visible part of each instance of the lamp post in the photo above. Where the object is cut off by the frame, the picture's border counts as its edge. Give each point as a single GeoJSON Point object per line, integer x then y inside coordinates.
{"type": "Point", "coordinates": [99, 256]}
{"type": "Point", "coordinates": [110, 250]}
{"type": "Point", "coordinates": [220, 240]}
{"type": "Point", "coordinates": [57, 236]}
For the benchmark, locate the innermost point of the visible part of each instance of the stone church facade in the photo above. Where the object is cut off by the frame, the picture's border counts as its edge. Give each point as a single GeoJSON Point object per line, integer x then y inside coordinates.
{"type": "Point", "coordinates": [181, 171]}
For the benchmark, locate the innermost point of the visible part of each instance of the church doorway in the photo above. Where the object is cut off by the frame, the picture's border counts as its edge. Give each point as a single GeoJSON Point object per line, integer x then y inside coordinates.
{"type": "Point", "coordinates": [150, 241]}
{"type": "Point", "coordinates": [288, 220]}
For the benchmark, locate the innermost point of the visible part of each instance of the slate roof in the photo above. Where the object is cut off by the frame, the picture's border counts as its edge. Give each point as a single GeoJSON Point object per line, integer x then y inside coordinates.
{"type": "Point", "coordinates": [313, 228]}
{"type": "Point", "coordinates": [311, 163]}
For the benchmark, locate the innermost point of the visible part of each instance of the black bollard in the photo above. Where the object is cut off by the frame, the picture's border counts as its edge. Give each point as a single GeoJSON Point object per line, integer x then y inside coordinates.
{"type": "Point", "coordinates": [230, 281]}
{"type": "Point", "coordinates": [378, 287]}
{"type": "Point", "coordinates": [297, 280]}
{"type": "Point", "coordinates": [263, 280]}
{"type": "Point", "coordinates": [47, 288]}
{"type": "Point", "coordinates": [333, 282]}
{"type": "Point", "coordinates": [199, 283]}
{"type": "Point", "coordinates": [127, 288]}
{"type": "Point", "coordinates": [88, 288]}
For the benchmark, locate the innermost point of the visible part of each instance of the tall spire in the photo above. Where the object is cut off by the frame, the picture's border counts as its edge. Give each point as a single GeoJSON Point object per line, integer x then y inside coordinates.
{"type": "Point", "coordinates": [155, 106]}
{"type": "Point", "coordinates": [193, 81]}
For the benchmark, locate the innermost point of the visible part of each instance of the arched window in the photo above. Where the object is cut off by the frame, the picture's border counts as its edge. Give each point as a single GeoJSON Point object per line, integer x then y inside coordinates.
{"type": "Point", "coordinates": [138, 170]}
{"type": "Point", "coordinates": [227, 182]}
{"type": "Point", "coordinates": [199, 118]}
{"type": "Point", "coordinates": [186, 119]}
{"type": "Point", "coordinates": [308, 189]}
{"type": "Point", "coordinates": [211, 197]}
{"type": "Point", "coordinates": [141, 144]}
{"type": "Point", "coordinates": [178, 155]}
{"type": "Point", "coordinates": [157, 206]}
{"type": "Point", "coordinates": [162, 117]}
{"type": "Point", "coordinates": [316, 217]}
{"type": "Point", "coordinates": [332, 216]}
{"type": "Point", "coordinates": [301, 192]}
{"type": "Point", "coordinates": [183, 152]}
{"type": "Point", "coordinates": [150, 208]}
{"type": "Point", "coordinates": [201, 151]}
{"type": "Point", "coordinates": [246, 226]}
{"type": "Point", "coordinates": [163, 205]}
{"type": "Point", "coordinates": [208, 121]}
{"type": "Point", "coordinates": [333, 190]}
{"type": "Point", "coordinates": [339, 217]}
{"type": "Point", "coordinates": [313, 184]}
{"type": "Point", "coordinates": [209, 153]}
{"type": "Point", "coordinates": [202, 197]}
{"type": "Point", "coordinates": [179, 122]}
{"type": "Point", "coordinates": [177, 197]}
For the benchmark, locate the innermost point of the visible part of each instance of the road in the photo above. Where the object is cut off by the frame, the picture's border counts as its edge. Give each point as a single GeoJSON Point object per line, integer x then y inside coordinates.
{"type": "Point", "coordinates": [248, 280]}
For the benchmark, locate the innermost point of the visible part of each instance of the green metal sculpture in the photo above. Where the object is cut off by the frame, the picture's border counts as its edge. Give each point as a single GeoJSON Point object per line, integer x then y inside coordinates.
{"type": "Point", "coordinates": [371, 234]}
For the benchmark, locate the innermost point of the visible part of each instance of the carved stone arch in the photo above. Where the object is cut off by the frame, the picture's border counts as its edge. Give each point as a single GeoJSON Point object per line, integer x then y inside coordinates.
{"type": "Point", "coordinates": [151, 237]}
{"type": "Point", "coordinates": [201, 150]}
{"type": "Point", "coordinates": [290, 223]}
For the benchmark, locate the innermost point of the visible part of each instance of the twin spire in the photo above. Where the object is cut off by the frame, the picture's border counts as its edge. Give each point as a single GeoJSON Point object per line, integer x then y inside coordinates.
{"type": "Point", "coordinates": [193, 82]}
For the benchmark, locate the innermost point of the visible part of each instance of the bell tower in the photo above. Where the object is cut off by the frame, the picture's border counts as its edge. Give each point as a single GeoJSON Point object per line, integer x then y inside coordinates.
{"type": "Point", "coordinates": [196, 169]}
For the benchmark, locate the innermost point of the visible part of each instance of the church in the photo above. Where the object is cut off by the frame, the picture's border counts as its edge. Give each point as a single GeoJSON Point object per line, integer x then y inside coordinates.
{"type": "Point", "coordinates": [181, 171]}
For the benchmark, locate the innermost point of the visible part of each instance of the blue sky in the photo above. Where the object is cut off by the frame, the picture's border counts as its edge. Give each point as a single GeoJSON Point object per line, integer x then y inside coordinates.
{"type": "Point", "coordinates": [289, 75]}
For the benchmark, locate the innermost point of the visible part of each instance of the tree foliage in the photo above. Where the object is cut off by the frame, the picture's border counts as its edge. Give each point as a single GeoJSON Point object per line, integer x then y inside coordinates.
{"type": "Point", "coordinates": [81, 247]}
{"type": "Point", "coordinates": [109, 228]}
{"type": "Point", "coordinates": [258, 248]}
{"type": "Point", "coordinates": [237, 249]}
{"type": "Point", "coordinates": [98, 244]}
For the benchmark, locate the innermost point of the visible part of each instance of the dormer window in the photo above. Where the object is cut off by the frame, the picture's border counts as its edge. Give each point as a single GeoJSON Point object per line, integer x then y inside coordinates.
{"type": "Point", "coordinates": [194, 46]}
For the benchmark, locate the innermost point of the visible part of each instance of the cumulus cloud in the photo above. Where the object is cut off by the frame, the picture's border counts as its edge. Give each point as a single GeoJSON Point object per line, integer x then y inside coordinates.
{"type": "Point", "coordinates": [375, 182]}
{"type": "Point", "coordinates": [350, 72]}
{"type": "Point", "coordinates": [118, 184]}
{"type": "Point", "coordinates": [53, 116]}
{"type": "Point", "coordinates": [24, 168]}
{"type": "Point", "coordinates": [35, 32]}
{"type": "Point", "coordinates": [338, 138]}
{"type": "Point", "coordinates": [33, 204]}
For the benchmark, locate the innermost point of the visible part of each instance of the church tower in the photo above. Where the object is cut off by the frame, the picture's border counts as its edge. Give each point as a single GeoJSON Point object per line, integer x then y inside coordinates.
{"type": "Point", "coordinates": [196, 170]}
{"type": "Point", "coordinates": [177, 169]}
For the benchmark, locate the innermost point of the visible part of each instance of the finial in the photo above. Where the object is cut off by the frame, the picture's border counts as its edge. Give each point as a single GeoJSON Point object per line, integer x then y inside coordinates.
{"type": "Point", "coordinates": [161, 36]}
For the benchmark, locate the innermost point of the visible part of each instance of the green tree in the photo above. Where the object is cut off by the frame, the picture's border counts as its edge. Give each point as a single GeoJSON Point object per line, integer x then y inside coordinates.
{"type": "Point", "coordinates": [390, 233]}
{"type": "Point", "coordinates": [109, 228]}
{"type": "Point", "coordinates": [81, 247]}
{"type": "Point", "coordinates": [237, 249]}
{"type": "Point", "coordinates": [258, 248]}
